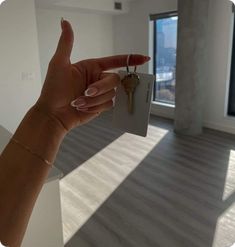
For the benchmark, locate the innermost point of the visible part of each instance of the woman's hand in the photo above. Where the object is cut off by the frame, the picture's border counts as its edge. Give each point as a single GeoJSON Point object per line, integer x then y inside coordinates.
{"type": "Point", "coordinates": [84, 83]}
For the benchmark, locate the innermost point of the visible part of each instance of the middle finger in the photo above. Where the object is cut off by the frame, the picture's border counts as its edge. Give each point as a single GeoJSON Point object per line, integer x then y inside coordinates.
{"type": "Point", "coordinates": [107, 82]}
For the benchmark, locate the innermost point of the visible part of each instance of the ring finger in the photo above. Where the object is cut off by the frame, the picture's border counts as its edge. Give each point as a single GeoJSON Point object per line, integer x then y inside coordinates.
{"type": "Point", "coordinates": [107, 82]}
{"type": "Point", "coordinates": [87, 102]}
{"type": "Point", "coordinates": [100, 108]}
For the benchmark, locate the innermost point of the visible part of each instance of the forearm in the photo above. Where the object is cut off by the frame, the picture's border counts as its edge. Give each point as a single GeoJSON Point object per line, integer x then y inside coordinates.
{"type": "Point", "coordinates": [22, 173]}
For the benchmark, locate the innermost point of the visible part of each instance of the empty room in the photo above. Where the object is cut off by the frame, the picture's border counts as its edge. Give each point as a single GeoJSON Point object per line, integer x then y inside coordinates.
{"type": "Point", "coordinates": [117, 123]}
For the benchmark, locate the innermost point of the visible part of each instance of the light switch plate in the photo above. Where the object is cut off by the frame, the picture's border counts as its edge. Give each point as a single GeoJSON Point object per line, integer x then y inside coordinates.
{"type": "Point", "coordinates": [137, 122]}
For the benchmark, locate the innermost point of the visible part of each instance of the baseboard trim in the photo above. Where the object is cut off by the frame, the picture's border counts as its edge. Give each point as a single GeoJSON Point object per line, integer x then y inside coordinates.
{"type": "Point", "coordinates": [210, 125]}
{"type": "Point", "coordinates": [220, 127]}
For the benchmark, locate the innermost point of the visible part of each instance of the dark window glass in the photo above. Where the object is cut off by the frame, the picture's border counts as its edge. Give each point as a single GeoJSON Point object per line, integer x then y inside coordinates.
{"type": "Point", "coordinates": [165, 46]}
{"type": "Point", "coordinates": [231, 101]}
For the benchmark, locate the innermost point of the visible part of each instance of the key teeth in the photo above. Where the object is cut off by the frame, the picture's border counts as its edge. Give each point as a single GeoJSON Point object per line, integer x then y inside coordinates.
{"type": "Point", "coordinates": [129, 83]}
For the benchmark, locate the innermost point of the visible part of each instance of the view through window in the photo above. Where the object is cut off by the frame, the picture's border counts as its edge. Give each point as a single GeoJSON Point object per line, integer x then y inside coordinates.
{"type": "Point", "coordinates": [165, 46]}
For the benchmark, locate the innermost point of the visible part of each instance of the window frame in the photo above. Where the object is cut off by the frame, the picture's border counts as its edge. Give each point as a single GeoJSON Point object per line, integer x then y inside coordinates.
{"type": "Point", "coordinates": [153, 18]}
{"type": "Point", "coordinates": [231, 92]}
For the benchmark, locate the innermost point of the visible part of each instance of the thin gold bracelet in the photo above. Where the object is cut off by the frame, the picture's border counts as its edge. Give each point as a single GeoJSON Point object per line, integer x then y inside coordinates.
{"type": "Point", "coordinates": [30, 151]}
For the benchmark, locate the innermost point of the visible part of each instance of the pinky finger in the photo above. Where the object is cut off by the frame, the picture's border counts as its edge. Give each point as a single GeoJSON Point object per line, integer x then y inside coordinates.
{"type": "Point", "coordinates": [98, 109]}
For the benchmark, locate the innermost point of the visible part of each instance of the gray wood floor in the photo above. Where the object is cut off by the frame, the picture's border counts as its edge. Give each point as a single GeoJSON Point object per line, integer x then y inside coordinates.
{"type": "Point", "coordinates": [121, 190]}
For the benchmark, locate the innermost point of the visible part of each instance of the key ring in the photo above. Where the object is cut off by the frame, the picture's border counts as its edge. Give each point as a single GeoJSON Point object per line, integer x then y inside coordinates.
{"type": "Point", "coordinates": [128, 64]}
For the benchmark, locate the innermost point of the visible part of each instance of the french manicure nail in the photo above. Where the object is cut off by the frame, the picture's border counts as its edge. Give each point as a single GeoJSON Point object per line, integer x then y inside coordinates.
{"type": "Point", "coordinates": [78, 103]}
{"type": "Point", "coordinates": [92, 91]}
{"type": "Point", "coordinates": [61, 22]}
{"type": "Point", "coordinates": [147, 58]}
{"type": "Point", "coordinates": [82, 109]}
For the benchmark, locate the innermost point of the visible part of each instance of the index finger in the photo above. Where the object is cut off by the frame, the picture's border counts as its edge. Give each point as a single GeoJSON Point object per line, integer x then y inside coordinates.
{"type": "Point", "coordinates": [114, 62]}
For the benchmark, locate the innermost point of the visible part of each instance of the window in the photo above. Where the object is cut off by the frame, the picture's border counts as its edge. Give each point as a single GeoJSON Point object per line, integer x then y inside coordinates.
{"type": "Point", "coordinates": [231, 100]}
{"type": "Point", "coordinates": [165, 46]}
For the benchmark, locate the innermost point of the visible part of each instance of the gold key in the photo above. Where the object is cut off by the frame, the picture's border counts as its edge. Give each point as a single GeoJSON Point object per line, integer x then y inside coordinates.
{"type": "Point", "coordinates": [130, 82]}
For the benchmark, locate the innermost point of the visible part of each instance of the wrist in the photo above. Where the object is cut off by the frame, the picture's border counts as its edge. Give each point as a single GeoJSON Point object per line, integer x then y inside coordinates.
{"type": "Point", "coordinates": [37, 108]}
{"type": "Point", "coordinates": [40, 132]}
{"type": "Point", "coordinates": [49, 122]}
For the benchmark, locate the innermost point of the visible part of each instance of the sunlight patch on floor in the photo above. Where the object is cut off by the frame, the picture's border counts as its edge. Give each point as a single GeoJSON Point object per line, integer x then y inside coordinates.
{"type": "Point", "coordinates": [229, 187]}
{"type": "Point", "coordinates": [223, 236]}
{"type": "Point", "coordinates": [86, 188]}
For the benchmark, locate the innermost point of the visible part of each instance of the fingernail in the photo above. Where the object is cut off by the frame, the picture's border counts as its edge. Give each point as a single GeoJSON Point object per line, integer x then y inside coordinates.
{"type": "Point", "coordinates": [78, 103]}
{"type": "Point", "coordinates": [82, 110]}
{"type": "Point", "coordinates": [91, 91]}
{"type": "Point", "coordinates": [61, 22]}
{"type": "Point", "coordinates": [147, 58]}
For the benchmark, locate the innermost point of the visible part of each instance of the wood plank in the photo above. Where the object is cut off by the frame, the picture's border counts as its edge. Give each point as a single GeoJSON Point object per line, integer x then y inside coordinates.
{"type": "Point", "coordinates": [164, 190]}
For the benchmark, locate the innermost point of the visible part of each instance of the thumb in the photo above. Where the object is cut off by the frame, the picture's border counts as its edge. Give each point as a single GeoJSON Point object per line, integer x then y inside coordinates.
{"type": "Point", "coordinates": [65, 45]}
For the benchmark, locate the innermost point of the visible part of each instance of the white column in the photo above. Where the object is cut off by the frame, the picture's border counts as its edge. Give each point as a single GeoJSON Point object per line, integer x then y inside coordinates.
{"type": "Point", "coordinates": [191, 74]}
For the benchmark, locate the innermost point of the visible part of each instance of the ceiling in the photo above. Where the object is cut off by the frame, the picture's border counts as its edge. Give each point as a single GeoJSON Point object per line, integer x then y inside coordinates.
{"type": "Point", "coordinates": [80, 4]}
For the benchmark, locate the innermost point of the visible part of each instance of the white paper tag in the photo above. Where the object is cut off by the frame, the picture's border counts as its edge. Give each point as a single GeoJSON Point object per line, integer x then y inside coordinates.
{"type": "Point", "coordinates": [137, 122]}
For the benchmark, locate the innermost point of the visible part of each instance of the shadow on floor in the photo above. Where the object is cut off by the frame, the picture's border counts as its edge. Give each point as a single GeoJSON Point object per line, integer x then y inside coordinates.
{"type": "Point", "coordinates": [174, 198]}
{"type": "Point", "coordinates": [84, 142]}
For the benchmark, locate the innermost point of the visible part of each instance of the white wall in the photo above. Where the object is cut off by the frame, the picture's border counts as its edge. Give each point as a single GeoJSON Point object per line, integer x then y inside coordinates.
{"type": "Point", "coordinates": [18, 55]}
{"type": "Point", "coordinates": [131, 35]}
{"type": "Point", "coordinates": [93, 34]}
